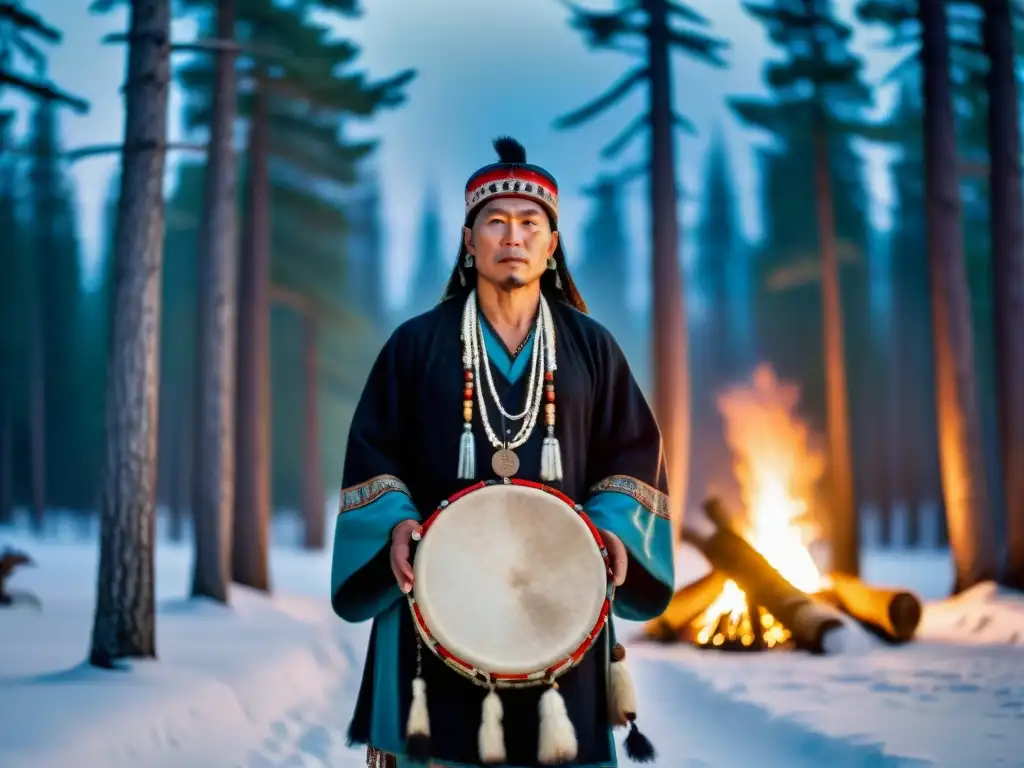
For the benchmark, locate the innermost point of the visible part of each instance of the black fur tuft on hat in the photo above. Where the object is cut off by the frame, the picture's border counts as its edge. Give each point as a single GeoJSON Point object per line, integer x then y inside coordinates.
{"type": "Point", "coordinates": [509, 150]}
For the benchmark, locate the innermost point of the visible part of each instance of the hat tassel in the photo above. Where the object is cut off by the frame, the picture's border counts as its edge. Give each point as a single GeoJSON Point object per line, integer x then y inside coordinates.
{"type": "Point", "coordinates": [622, 706]}
{"type": "Point", "coordinates": [557, 735]}
{"type": "Point", "coordinates": [417, 729]}
{"type": "Point", "coordinates": [492, 735]}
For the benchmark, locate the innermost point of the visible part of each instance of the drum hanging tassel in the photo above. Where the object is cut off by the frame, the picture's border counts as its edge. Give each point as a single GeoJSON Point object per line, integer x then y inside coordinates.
{"type": "Point", "coordinates": [417, 729]}
{"type": "Point", "coordinates": [622, 693]}
{"type": "Point", "coordinates": [492, 735]}
{"type": "Point", "coordinates": [467, 455]}
{"type": "Point", "coordinates": [557, 735]}
{"type": "Point", "coordinates": [622, 702]}
{"type": "Point", "coordinates": [417, 735]}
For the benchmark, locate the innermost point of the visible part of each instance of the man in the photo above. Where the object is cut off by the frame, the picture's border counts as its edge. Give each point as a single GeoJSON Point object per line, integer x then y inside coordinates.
{"type": "Point", "coordinates": [408, 449]}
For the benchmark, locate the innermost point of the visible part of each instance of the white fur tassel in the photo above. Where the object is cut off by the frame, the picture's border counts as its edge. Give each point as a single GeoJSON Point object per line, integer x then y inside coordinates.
{"type": "Point", "coordinates": [467, 455]}
{"type": "Point", "coordinates": [551, 460]}
{"type": "Point", "coordinates": [557, 735]}
{"type": "Point", "coordinates": [417, 732]}
{"type": "Point", "coordinates": [621, 695]}
{"type": "Point", "coordinates": [492, 735]}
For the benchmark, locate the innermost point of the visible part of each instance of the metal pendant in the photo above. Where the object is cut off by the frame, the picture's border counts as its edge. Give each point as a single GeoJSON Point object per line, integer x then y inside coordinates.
{"type": "Point", "coordinates": [505, 463]}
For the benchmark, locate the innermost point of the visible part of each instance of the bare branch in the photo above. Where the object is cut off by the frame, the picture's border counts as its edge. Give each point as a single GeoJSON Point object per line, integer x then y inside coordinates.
{"type": "Point", "coordinates": [30, 22]}
{"type": "Point", "coordinates": [215, 45]}
{"type": "Point", "coordinates": [603, 102]}
{"type": "Point", "coordinates": [45, 91]}
{"type": "Point", "coordinates": [687, 14]}
{"type": "Point", "coordinates": [631, 131]}
{"type": "Point", "coordinates": [683, 123]}
{"type": "Point", "coordinates": [82, 153]}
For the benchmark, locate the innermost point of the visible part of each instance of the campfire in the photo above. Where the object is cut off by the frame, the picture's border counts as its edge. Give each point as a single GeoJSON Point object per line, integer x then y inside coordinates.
{"type": "Point", "coordinates": [784, 601]}
{"type": "Point", "coordinates": [776, 469]}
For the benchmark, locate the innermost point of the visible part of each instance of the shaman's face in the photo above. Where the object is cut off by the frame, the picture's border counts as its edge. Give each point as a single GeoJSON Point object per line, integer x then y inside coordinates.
{"type": "Point", "coordinates": [511, 241]}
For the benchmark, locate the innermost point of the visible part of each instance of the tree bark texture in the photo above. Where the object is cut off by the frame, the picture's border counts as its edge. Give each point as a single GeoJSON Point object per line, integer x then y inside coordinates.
{"type": "Point", "coordinates": [315, 533]}
{"type": "Point", "coordinates": [213, 476]}
{"type": "Point", "coordinates": [125, 622]}
{"type": "Point", "coordinates": [842, 506]}
{"type": "Point", "coordinates": [1007, 205]}
{"type": "Point", "coordinates": [250, 555]}
{"type": "Point", "coordinates": [971, 530]}
{"type": "Point", "coordinates": [669, 333]}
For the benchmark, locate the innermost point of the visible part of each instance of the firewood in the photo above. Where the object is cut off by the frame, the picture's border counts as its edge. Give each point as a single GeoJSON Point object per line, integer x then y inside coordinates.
{"type": "Point", "coordinates": [687, 604]}
{"type": "Point", "coordinates": [808, 620]}
{"type": "Point", "coordinates": [891, 614]}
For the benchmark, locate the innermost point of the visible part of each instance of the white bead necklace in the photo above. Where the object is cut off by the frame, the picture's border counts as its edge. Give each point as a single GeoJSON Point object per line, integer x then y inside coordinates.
{"type": "Point", "coordinates": [535, 390]}
{"type": "Point", "coordinates": [539, 387]}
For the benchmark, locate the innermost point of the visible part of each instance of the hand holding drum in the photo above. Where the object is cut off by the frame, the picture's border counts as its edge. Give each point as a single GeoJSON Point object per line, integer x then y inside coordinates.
{"type": "Point", "coordinates": [401, 550]}
{"type": "Point", "coordinates": [617, 555]}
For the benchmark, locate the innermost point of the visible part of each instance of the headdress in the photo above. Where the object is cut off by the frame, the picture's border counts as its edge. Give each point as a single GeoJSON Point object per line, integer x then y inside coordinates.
{"type": "Point", "coordinates": [512, 176]}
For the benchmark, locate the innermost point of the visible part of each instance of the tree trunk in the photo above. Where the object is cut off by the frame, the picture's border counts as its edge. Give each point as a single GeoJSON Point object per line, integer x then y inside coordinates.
{"type": "Point", "coordinates": [250, 555]}
{"type": "Point", "coordinates": [6, 460]}
{"type": "Point", "coordinates": [213, 476]}
{"type": "Point", "coordinates": [842, 509]}
{"type": "Point", "coordinates": [669, 334]}
{"type": "Point", "coordinates": [971, 529]}
{"type": "Point", "coordinates": [178, 450]}
{"type": "Point", "coordinates": [125, 622]}
{"type": "Point", "coordinates": [1007, 210]}
{"type": "Point", "coordinates": [312, 480]}
{"type": "Point", "coordinates": [37, 408]}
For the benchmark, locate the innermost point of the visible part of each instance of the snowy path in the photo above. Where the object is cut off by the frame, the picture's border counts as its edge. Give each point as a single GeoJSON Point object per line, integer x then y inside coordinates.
{"type": "Point", "coordinates": [270, 683]}
{"type": "Point", "coordinates": [923, 706]}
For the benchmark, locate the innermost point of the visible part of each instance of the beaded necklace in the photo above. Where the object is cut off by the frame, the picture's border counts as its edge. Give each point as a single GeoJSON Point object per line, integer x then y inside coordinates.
{"type": "Point", "coordinates": [540, 389]}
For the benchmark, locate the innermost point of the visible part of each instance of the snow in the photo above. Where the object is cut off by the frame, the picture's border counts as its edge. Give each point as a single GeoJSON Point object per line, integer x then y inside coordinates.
{"type": "Point", "coordinates": [270, 681]}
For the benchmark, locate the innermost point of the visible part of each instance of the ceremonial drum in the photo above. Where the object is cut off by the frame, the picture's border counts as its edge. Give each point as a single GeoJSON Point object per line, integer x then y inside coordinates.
{"type": "Point", "coordinates": [512, 583]}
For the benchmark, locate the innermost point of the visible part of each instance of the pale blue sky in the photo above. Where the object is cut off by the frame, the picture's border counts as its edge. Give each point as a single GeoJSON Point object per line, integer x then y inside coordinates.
{"type": "Point", "coordinates": [486, 68]}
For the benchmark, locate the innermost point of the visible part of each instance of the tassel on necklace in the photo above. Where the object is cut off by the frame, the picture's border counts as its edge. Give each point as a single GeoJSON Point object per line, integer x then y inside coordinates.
{"type": "Point", "coordinates": [551, 458]}
{"type": "Point", "coordinates": [467, 454]}
{"type": "Point", "coordinates": [551, 451]}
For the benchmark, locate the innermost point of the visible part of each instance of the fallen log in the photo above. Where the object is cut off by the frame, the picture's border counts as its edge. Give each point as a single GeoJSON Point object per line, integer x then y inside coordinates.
{"type": "Point", "coordinates": [809, 621]}
{"type": "Point", "coordinates": [685, 607]}
{"type": "Point", "coordinates": [890, 614]}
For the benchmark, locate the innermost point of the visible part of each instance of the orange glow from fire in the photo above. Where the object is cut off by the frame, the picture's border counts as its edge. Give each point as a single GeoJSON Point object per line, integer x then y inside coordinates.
{"type": "Point", "coordinates": [776, 469]}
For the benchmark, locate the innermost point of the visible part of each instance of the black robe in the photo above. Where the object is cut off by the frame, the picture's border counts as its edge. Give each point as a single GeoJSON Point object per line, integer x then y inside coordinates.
{"type": "Point", "coordinates": [407, 428]}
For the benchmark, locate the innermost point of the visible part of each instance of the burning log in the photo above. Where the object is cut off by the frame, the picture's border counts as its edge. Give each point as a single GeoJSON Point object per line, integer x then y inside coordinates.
{"type": "Point", "coordinates": [891, 614]}
{"type": "Point", "coordinates": [687, 604]}
{"type": "Point", "coordinates": [810, 622]}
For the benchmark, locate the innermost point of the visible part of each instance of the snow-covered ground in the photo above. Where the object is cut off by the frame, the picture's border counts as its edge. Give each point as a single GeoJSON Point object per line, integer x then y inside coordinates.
{"type": "Point", "coordinates": [270, 682]}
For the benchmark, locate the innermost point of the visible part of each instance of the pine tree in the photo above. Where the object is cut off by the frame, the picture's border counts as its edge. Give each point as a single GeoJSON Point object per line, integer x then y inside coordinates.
{"type": "Point", "coordinates": [297, 93]}
{"type": "Point", "coordinates": [819, 90]}
{"type": "Point", "coordinates": [14, 307]}
{"type": "Point", "coordinates": [656, 24]}
{"type": "Point", "coordinates": [125, 619]}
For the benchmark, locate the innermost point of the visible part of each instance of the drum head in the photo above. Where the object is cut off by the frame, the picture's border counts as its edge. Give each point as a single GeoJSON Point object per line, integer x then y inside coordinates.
{"type": "Point", "coordinates": [510, 579]}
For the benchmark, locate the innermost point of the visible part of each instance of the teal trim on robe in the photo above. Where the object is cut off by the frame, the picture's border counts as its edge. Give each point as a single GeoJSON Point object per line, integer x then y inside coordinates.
{"type": "Point", "coordinates": [386, 732]}
{"type": "Point", "coordinates": [511, 369]}
{"type": "Point", "coordinates": [359, 535]}
{"type": "Point", "coordinates": [648, 538]}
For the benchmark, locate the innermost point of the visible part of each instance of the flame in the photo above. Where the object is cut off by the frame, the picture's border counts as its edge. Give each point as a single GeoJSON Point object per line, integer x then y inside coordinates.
{"type": "Point", "coordinates": [776, 469]}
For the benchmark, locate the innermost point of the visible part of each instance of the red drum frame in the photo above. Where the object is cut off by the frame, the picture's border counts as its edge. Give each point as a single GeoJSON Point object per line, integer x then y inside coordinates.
{"type": "Point", "coordinates": [548, 675]}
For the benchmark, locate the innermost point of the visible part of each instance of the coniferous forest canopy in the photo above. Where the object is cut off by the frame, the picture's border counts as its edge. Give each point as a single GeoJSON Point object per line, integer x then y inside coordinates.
{"type": "Point", "coordinates": [905, 341]}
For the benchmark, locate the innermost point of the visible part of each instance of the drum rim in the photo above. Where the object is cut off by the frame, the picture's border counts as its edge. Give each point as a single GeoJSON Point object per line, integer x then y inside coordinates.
{"type": "Point", "coordinates": [558, 668]}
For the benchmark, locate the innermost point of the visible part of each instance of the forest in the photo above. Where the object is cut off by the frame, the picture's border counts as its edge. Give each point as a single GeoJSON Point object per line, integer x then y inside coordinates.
{"type": "Point", "coordinates": [208, 370]}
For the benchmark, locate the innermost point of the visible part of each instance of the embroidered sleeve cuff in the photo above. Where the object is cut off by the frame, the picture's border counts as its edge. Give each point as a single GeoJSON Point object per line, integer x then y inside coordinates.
{"type": "Point", "coordinates": [650, 497]}
{"type": "Point", "coordinates": [361, 494]}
